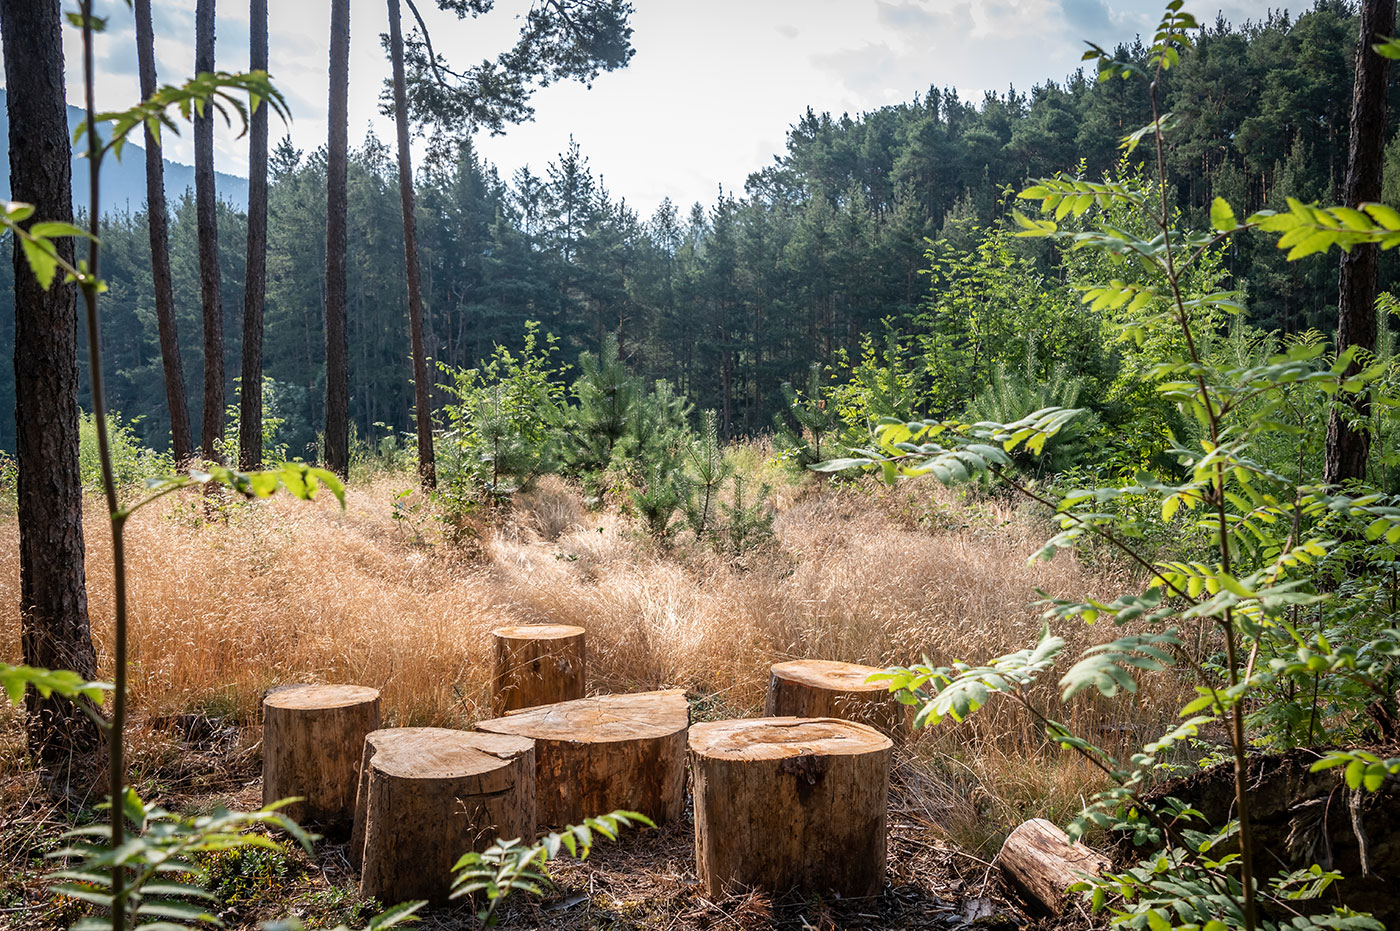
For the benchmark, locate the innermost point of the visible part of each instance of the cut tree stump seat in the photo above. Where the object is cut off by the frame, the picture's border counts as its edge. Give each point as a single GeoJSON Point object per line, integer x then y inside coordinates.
{"type": "Point", "coordinates": [819, 688]}
{"type": "Point", "coordinates": [790, 803]}
{"type": "Point", "coordinates": [428, 795]}
{"type": "Point", "coordinates": [312, 736]}
{"type": "Point", "coordinates": [537, 664]}
{"type": "Point", "coordinates": [598, 754]}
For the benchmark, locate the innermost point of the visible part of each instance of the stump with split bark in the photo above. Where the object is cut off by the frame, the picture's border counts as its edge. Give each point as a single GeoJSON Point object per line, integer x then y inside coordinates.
{"type": "Point", "coordinates": [1040, 863]}
{"type": "Point", "coordinates": [312, 736]}
{"type": "Point", "coordinates": [790, 803]}
{"type": "Point", "coordinates": [537, 664]}
{"type": "Point", "coordinates": [598, 754]}
{"type": "Point", "coordinates": [818, 688]}
{"type": "Point", "coordinates": [428, 795]}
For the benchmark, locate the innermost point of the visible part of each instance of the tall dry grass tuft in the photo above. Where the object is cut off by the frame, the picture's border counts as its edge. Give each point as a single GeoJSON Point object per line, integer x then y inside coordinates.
{"type": "Point", "coordinates": [281, 591]}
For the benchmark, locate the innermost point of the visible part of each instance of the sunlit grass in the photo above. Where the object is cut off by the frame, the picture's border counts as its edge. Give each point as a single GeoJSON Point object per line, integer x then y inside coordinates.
{"type": "Point", "coordinates": [226, 605]}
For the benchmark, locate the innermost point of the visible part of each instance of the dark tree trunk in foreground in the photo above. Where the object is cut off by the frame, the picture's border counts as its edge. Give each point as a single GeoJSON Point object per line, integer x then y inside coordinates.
{"type": "Point", "coordinates": [1347, 447]}
{"type": "Point", "coordinates": [255, 282]}
{"type": "Point", "coordinates": [206, 209]}
{"type": "Point", "coordinates": [427, 466]}
{"type": "Point", "coordinates": [182, 442]}
{"type": "Point", "coordinates": [54, 630]}
{"type": "Point", "coordinates": [336, 454]}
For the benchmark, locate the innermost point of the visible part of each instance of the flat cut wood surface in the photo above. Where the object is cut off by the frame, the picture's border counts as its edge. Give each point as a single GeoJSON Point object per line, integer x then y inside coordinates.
{"type": "Point", "coordinates": [780, 738]}
{"type": "Point", "coordinates": [829, 674]}
{"type": "Point", "coordinates": [600, 718]}
{"type": "Point", "coordinates": [538, 631]}
{"type": "Point", "coordinates": [320, 696]}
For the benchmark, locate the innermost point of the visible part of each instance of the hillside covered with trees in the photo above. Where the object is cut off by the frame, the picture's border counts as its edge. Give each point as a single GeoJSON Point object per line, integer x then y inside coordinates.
{"type": "Point", "coordinates": [732, 299]}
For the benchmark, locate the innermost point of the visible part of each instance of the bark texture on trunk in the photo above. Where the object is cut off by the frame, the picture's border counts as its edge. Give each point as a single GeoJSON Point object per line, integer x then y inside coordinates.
{"type": "Point", "coordinates": [206, 210]}
{"type": "Point", "coordinates": [538, 664]}
{"type": "Point", "coordinates": [815, 790]}
{"type": "Point", "coordinates": [312, 740]}
{"type": "Point", "coordinates": [158, 216]}
{"type": "Point", "coordinates": [255, 281]}
{"type": "Point", "coordinates": [818, 688]}
{"type": "Point", "coordinates": [428, 795]}
{"type": "Point", "coordinates": [599, 754]}
{"type": "Point", "coordinates": [54, 631]}
{"type": "Point", "coordinates": [427, 464]}
{"type": "Point", "coordinates": [1347, 447]}
{"type": "Point", "coordinates": [336, 454]}
{"type": "Point", "coordinates": [1038, 861]}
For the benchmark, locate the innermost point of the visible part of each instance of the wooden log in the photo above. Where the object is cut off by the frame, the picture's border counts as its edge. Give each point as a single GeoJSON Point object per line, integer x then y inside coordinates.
{"type": "Point", "coordinates": [428, 795]}
{"type": "Point", "coordinates": [598, 754]}
{"type": "Point", "coordinates": [819, 688]}
{"type": "Point", "coordinates": [1040, 863]}
{"type": "Point", "coordinates": [537, 664]}
{"type": "Point", "coordinates": [790, 803]}
{"type": "Point", "coordinates": [312, 735]}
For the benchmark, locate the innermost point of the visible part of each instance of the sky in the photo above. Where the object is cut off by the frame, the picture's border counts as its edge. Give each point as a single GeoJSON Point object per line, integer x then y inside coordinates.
{"type": "Point", "coordinates": [707, 99]}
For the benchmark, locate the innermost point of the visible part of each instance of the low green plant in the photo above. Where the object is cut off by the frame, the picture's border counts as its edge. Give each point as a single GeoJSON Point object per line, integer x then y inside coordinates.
{"type": "Point", "coordinates": [503, 422]}
{"type": "Point", "coordinates": [509, 866]}
{"type": "Point", "coordinates": [132, 462]}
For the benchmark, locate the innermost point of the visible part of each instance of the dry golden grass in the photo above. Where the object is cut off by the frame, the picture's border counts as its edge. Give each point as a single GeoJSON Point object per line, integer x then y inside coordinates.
{"type": "Point", "coordinates": [283, 591]}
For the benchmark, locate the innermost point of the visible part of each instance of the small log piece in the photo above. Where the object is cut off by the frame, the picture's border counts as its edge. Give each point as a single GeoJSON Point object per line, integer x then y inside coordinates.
{"type": "Point", "coordinates": [428, 795]}
{"type": "Point", "coordinates": [1040, 863]}
{"type": "Point", "coordinates": [312, 735]}
{"type": "Point", "coordinates": [598, 754]}
{"type": "Point", "coordinates": [819, 688]}
{"type": "Point", "coordinates": [790, 803]}
{"type": "Point", "coordinates": [537, 664]}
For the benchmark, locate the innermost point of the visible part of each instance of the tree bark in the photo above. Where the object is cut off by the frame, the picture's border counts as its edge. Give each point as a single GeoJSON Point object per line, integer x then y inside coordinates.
{"type": "Point", "coordinates": [1347, 447]}
{"type": "Point", "coordinates": [598, 754]}
{"type": "Point", "coordinates": [250, 425]}
{"type": "Point", "coordinates": [814, 790]}
{"type": "Point", "coordinates": [538, 664]}
{"type": "Point", "coordinates": [815, 688]}
{"type": "Point", "coordinates": [336, 454]}
{"type": "Point", "coordinates": [313, 736]}
{"type": "Point", "coordinates": [428, 795]}
{"type": "Point", "coordinates": [158, 220]}
{"type": "Point", "coordinates": [427, 464]}
{"type": "Point", "coordinates": [206, 210]}
{"type": "Point", "coordinates": [54, 631]}
{"type": "Point", "coordinates": [1039, 861]}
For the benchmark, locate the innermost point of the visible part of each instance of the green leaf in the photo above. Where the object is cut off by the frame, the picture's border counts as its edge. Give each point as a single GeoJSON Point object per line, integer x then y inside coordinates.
{"type": "Point", "coordinates": [1222, 216]}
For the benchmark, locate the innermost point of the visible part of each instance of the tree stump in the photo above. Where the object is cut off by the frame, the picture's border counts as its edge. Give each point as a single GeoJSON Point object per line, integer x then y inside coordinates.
{"type": "Point", "coordinates": [790, 803]}
{"type": "Point", "coordinates": [1040, 863]}
{"type": "Point", "coordinates": [312, 736]}
{"type": "Point", "coordinates": [598, 754]}
{"type": "Point", "coordinates": [428, 795]}
{"type": "Point", "coordinates": [819, 688]}
{"type": "Point", "coordinates": [537, 664]}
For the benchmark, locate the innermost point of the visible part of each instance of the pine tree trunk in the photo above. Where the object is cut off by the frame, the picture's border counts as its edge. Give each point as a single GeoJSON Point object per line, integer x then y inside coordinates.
{"type": "Point", "coordinates": [336, 453]}
{"type": "Point", "coordinates": [158, 220]}
{"type": "Point", "coordinates": [427, 464]}
{"type": "Point", "coordinates": [1347, 448]}
{"type": "Point", "coordinates": [54, 630]}
{"type": "Point", "coordinates": [206, 209]}
{"type": "Point", "coordinates": [250, 407]}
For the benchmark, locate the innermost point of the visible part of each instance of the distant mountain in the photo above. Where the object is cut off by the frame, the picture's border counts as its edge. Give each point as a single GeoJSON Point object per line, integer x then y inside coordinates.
{"type": "Point", "coordinates": [124, 182]}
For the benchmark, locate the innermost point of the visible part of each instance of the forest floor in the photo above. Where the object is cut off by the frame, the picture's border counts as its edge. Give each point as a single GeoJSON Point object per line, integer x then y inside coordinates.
{"type": "Point", "coordinates": [229, 602]}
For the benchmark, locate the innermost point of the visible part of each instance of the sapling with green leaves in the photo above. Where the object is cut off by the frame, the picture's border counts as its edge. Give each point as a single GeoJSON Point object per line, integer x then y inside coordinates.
{"type": "Point", "coordinates": [1261, 540]}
